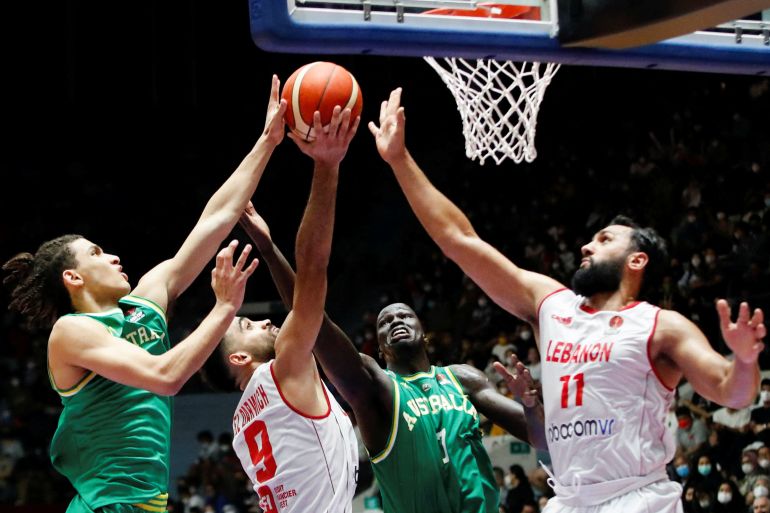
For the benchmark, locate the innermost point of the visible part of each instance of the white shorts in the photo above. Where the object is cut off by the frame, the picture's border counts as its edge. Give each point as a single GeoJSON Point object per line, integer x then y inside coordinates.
{"type": "Point", "coordinates": [660, 497]}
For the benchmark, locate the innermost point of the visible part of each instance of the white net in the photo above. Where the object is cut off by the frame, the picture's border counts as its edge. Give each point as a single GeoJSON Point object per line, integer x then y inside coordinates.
{"type": "Point", "coordinates": [498, 102]}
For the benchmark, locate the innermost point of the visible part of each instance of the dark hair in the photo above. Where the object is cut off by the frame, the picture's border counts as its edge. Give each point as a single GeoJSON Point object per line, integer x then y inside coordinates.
{"type": "Point", "coordinates": [683, 411]}
{"type": "Point", "coordinates": [215, 372]}
{"type": "Point", "coordinates": [649, 242]}
{"type": "Point", "coordinates": [37, 290]}
{"type": "Point", "coordinates": [765, 381]}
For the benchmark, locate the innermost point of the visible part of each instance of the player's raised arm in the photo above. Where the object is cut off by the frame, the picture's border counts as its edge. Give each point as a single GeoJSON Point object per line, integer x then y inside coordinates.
{"type": "Point", "coordinates": [338, 356]}
{"type": "Point", "coordinates": [514, 289]}
{"type": "Point", "coordinates": [78, 343]}
{"type": "Point", "coordinates": [295, 342]}
{"type": "Point", "coordinates": [167, 281]}
{"type": "Point", "coordinates": [729, 383]}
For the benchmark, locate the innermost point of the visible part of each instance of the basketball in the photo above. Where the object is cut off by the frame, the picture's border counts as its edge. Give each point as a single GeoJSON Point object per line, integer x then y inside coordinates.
{"type": "Point", "coordinates": [319, 86]}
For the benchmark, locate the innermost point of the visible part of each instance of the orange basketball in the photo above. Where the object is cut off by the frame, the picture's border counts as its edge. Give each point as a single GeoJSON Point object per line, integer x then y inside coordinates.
{"type": "Point", "coordinates": [319, 86]}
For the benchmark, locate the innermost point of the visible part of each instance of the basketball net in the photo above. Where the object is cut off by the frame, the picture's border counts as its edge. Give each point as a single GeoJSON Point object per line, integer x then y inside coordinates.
{"type": "Point", "coordinates": [498, 102]}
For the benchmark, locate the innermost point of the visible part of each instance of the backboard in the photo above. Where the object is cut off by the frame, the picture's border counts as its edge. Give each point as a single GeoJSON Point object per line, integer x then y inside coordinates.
{"type": "Point", "coordinates": [405, 27]}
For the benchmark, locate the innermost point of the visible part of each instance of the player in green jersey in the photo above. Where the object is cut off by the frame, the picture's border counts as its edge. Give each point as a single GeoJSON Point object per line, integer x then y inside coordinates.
{"type": "Point", "coordinates": [109, 355]}
{"type": "Point", "coordinates": [419, 422]}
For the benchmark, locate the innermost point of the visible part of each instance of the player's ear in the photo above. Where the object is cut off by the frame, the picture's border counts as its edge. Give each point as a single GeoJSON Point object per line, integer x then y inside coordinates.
{"type": "Point", "coordinates": [239, 358]}
{"type": "Point", "coordinates": [637, 260]}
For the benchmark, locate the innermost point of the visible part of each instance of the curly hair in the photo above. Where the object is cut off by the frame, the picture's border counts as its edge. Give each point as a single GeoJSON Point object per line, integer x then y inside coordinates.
{"type": "Point", "coordinates": [37, 290]}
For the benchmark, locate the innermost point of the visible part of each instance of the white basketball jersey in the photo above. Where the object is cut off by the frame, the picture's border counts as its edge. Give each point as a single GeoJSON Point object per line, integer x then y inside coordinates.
{"type": "Point", "coordinates": [297, 463]}
{"type": "Point", "coordinates": [605, 408]}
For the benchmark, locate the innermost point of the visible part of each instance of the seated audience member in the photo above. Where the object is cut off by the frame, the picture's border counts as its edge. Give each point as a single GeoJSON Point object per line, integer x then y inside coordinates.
{"type": "Point", "coordinates": [691, 434]}
{"type": "Point", "coordinates": [729, 499]}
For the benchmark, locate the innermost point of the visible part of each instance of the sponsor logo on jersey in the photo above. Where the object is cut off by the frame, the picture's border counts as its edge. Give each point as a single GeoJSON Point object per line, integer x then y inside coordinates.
{"type": "Point", "coordinates": [135, 315]}
{"type": "Point", "coordinates": [425, 387]}
{"type": "Point", "coordinates": [567, 352]}
{"type": "Point", "coordinates": [442, 380]}
{"type": "Point", "coordinates": [588, 428]}
{"type": "Point", "coordinates": [562, 320]}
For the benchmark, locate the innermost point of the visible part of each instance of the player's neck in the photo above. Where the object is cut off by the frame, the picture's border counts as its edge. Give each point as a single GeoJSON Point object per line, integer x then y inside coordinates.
{"type": "Point", "coordinates": [405, 368]}
{"type": "Point", "coordinates": [611, 301]}
{"type": "Point", "coordinates": [87, 303]}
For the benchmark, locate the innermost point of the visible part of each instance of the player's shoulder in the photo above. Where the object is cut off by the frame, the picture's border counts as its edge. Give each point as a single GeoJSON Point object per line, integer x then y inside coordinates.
{"type": "Point", "coordinates": [470, 378]}
{"type": "Point", "coordinates": [71, 331]}
{"type": "Point", "coordinates": [673, 320]}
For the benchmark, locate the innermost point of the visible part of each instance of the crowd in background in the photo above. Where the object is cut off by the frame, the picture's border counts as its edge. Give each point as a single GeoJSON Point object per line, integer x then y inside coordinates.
{"type": "Point", "coordinates": [701, 178]}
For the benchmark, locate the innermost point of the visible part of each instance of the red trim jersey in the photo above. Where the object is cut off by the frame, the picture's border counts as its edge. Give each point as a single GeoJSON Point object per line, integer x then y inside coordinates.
{"type": "Point", "coordinates": [297, 463]}
{"type": "Point", "coordinates": [605, 408]}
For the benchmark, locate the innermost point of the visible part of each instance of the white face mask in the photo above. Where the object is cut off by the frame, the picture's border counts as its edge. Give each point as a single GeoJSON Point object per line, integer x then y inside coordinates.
{"type": "Point", "coordinates": [747, 468]}
{"type": "Point", "coordinates": [764, 396]}
{"type": "Point", "coordinates": [508, 480]}
{"type": "Point", "coordinates": [760, 491]}
{"type": "Point", "coordinates": [724, 497]}
{"type": "Point", "coordinates": [526, 335]}
{"type": "Point", "coordinates": [764, 463]}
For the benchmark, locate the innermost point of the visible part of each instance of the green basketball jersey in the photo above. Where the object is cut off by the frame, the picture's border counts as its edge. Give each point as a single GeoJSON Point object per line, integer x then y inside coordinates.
{"type": "Point", "coordinates": [113, 441]}
{"type": "Point", "coordinates": [434, 461]}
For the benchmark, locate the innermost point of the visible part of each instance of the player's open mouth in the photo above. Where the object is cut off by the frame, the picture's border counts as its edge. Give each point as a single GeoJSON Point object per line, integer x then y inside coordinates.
{"type": "Point", "coordinates": [399, 333]}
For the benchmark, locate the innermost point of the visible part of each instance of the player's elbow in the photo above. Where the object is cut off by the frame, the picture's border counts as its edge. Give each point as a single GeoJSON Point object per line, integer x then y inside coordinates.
{"type": "Point", "coordinates": [163, 380]}
{"type": "Point", "coordinates": [168, 387]}
{"type": "Point", "coordinates": [455, 243]}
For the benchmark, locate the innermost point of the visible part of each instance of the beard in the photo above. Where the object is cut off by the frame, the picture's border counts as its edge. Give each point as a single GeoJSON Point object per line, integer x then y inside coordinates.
{"type": "Point", "coordinates": [598, 278]}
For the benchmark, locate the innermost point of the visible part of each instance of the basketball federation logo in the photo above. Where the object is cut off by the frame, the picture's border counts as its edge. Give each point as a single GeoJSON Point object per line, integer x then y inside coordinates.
{"type": "Point", "coordinates": [614, 326]}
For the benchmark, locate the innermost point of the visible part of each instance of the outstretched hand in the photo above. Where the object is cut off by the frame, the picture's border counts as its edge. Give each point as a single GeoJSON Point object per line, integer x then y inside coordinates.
{"type": "Point", "coordinates": [228, 280]}
{"type": "Point", "coordinates": [744, 336]}
{"type": "Point", "coordinates": [331, 141]}
{"type": "Point", "coordinates": [389, 136]}
{"type": "Point", "coordinates": [255, 226]}
{"type": "Point", "coordinates": [276, 108]}
{"type": "Point", "coordinates": [520, 382]}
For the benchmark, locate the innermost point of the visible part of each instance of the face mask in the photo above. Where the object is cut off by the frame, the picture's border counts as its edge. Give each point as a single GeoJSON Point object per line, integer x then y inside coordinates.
{"type": "Point", "coordinates": [764, 396]}
{"type": "Point", "coordinates": [684, 423]}
{"type": "Point", "coordinates": [704, 503]}
{"type": "Point", "coordinates": [764, 463]}
{"type": "Point", "coordinates": [683, 471]}
{"type": "Point", "coordinates": [508, 480]}
{"type": "Point", "coordinates": [525, 335]}
{"type": "Point", "coordinates": [704, 470]}
{"type": "Point", "coordinates": [747, 468]}
{"type": "Point", "coordinates": [760, 491]}
{"type": "Point", "coordinates": [724, 497]}
{"type": "Point", "coordinates": [695, 262]}
{"type": "Point", "coordinates": [710, 259]}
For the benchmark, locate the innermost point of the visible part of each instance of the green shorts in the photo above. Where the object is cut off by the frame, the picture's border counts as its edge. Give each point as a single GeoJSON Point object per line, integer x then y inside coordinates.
{"type": "Point", "coordinates": [78, 505]}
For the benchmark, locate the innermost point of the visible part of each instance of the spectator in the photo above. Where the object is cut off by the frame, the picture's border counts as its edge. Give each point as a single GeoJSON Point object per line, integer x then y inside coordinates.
{"type": "Point", "coordinates": [729, 499]}
{"type": "Point", "coordinates": [761, 505]}
{"type": "Point", "coordinates": [692, 433]}
{"type": "Point", "coordinates": [520, 491]}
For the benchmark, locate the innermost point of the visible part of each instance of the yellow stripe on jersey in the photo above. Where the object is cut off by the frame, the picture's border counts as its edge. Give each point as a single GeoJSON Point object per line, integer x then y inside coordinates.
{"type": "Point", "coordinates": [74, 389]}
{"type": "Point", "coordinates": [149, 304]}
{"type": "Point", "coordinates": [454, 380]}
{"type": "Point", "coordinates": [157, 504]}
{"type": "Point", "coordinates": [394, 425]}
{"type": "Point", "coordinates": [419, 375]}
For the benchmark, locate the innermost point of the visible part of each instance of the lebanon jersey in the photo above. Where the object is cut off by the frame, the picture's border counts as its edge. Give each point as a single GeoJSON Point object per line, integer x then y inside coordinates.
{"type": "Point", "coordinates": [605, 407]}
{"type": "Point", "coordinates": [297, 463]}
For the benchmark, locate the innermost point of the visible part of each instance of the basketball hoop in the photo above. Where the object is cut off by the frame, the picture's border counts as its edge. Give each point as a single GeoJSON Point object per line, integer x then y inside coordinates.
{"type": "Point", "coordinates": [498, 102]}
